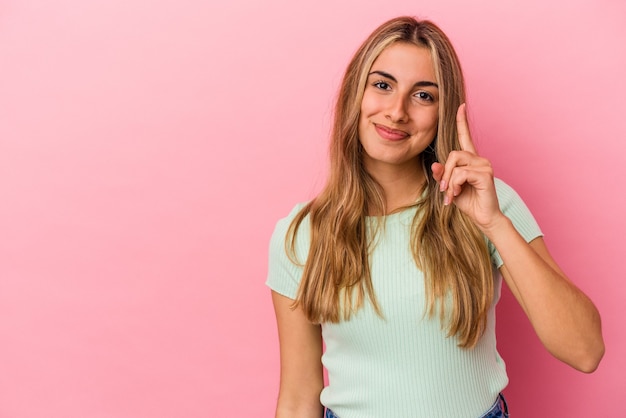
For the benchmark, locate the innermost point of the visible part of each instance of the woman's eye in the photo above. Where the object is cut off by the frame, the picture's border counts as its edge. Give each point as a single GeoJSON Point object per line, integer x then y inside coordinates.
{"type": "Point", "coordinates": [422, 95]}
{"type": "Point", "coordinates": [382, 85]}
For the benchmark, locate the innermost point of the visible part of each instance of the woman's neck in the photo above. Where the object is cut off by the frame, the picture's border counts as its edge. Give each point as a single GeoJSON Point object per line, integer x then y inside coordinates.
{"type": "Point", "coordinates": [402, 185]}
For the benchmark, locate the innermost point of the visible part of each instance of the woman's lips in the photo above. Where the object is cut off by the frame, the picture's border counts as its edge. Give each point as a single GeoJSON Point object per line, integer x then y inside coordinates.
{"type": "Point", "coordinates": [390, 134]}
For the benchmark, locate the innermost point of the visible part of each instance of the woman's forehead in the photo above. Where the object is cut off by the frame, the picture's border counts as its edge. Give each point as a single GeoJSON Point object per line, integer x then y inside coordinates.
{"type": "Point", "coordinates": [406, 61]}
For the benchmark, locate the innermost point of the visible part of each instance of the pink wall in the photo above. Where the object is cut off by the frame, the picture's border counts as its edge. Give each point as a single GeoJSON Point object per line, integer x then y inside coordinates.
{"type": "Point", "coordinates": [148, 147]}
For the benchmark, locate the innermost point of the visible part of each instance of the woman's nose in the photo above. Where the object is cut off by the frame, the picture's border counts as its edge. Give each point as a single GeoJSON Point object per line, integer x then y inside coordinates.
{"type": "Point", "coordinates": [397, 110]}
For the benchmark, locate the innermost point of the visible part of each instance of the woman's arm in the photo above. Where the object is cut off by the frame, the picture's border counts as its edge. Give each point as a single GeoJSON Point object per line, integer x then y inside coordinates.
{"type": "Point", "coordinates": [564, 318]}
{"type": "Point", "coordinates": [301, 374]}
{"type": "Point", "coordinates": [566, 321]}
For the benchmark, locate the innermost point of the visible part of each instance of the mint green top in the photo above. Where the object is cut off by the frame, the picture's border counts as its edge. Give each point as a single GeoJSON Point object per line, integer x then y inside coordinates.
{"type": "Point", "coordinates": [402, 365]}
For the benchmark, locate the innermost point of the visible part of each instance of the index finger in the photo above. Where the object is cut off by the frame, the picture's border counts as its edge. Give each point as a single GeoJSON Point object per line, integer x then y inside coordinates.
{"type": "Point", "coordinates": [463, 130]}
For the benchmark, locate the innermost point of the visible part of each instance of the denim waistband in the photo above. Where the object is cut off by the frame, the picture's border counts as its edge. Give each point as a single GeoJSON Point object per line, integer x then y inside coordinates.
{"type": "Point", "coordinates": [499, 410]}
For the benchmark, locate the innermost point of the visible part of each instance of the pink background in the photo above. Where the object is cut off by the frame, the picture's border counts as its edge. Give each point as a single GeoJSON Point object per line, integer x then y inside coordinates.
{"type": "Point", "coordinates": [148, 147]}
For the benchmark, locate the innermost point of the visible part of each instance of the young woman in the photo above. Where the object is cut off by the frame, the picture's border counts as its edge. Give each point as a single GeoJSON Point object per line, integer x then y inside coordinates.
{"type": "Point", "coordinates": [392, 266]}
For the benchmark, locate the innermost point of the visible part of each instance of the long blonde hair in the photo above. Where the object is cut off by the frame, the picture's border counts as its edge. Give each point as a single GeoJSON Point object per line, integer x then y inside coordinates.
{"type": "Point", "coordinates": [446, 245]}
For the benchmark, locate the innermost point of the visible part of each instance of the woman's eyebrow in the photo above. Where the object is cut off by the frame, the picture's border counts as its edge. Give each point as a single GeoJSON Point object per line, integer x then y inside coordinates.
{"type": "Point", "coordinates": [392, 78]}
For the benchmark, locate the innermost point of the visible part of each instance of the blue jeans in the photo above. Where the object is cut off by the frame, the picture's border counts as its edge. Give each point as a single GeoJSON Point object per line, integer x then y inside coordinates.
{"type": "Point", "coordinates": [498, 410]}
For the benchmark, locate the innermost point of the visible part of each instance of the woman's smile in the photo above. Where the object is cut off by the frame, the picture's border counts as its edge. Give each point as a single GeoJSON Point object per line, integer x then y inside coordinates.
{"type": "Point", "coordinates": [389, 133]}
{"type": "Point", "coordinates": [399, 109]}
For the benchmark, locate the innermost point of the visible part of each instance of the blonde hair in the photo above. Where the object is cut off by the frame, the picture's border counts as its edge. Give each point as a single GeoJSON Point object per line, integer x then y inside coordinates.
{"type": "Point", "coordinates": [446, 245]}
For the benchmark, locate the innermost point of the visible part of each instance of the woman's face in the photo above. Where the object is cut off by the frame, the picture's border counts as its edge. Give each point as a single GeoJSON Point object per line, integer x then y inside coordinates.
{"type": "Point", "coordinates": [399, 111]}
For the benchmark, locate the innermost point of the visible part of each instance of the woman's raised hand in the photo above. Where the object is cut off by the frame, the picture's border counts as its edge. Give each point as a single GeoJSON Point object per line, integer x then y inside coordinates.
{"type": "Point", "coordinates": [466, 179]}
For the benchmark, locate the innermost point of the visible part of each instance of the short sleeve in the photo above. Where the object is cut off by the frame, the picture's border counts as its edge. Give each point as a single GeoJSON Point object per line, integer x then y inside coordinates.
{"type": "Point", "coordinates": [516, 210]}
{"type": "Point", "coordinates": [284, 274]}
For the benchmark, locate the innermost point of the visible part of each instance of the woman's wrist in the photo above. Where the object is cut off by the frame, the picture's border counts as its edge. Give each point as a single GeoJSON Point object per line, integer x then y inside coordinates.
{"type": "Point", "coordinates": [499, 227]}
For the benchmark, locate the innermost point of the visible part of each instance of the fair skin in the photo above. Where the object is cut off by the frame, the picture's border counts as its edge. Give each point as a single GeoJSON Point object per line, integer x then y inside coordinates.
{"type": "Point", "coordinates": [398, 121]}
{"type": "Point", "coordinates": [301, 374]}
{"type": "Point", "coordinates": [564, 318]}
{"type": "Point", "coordinates": [399, 114]}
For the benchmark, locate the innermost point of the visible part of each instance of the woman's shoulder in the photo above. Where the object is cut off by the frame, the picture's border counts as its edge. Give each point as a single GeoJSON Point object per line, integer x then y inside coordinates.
{"type": "Point", "coordinates": [284, 271]}
{"type": "Point", "coordinates": [282, 225]}
{"type": "Point", "coordinates": [507, 195]}
{"type": "Point", "coordinates": [502, 187]}
{"type": "Point", "coordinates": [292, 214]}
{"type": "Point", "coordinates": [512, 205]}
